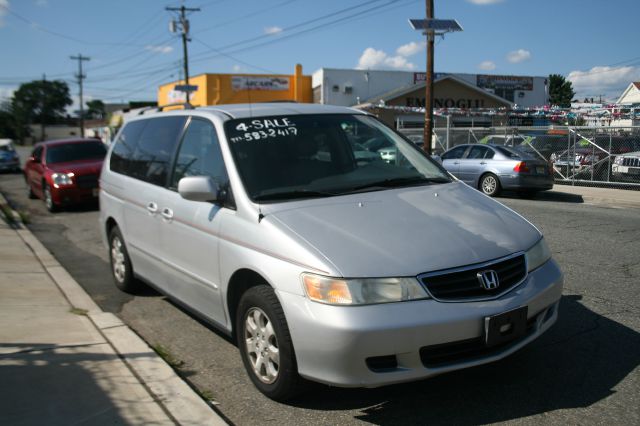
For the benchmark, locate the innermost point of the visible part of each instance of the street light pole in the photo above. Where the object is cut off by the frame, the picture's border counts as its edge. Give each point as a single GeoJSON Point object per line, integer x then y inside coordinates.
{"type": "Point", "coordinates": [428, 100]}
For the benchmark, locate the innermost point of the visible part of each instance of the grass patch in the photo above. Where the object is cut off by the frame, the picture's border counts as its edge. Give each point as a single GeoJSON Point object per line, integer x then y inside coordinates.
{"type": "Point", "coordinates": [78, 311]}
{"type": "Point", "coordinates": [167, 356]}
{"type": "Point", "coordinates": [205, 394]}
{"type": "Point", "coordinates": [7, 214]}
{"type": "Point", "coordinates": [24, 217]}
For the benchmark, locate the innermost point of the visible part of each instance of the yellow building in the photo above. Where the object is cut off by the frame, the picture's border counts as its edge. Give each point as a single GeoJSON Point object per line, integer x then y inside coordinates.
{"type": "Point", "coordinates": [216, 89]}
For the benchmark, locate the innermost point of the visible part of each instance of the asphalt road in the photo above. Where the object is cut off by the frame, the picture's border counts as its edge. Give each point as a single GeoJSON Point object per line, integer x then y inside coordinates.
{"type": "Point", "coordinates": [583, 371]}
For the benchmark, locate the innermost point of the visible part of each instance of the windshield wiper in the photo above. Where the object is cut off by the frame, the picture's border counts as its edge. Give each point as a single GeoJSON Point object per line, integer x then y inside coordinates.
{"type": "Point", "coordinates": [398, 182]}
{"type": "Point", "coordinates": [297, 193]}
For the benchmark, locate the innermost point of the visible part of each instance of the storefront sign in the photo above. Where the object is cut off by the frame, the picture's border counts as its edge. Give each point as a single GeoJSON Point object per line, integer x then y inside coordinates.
{"type": "Point", "coordinates": [446, 103]}
{"type": "Point", "coordinates": [419, 77]}
{"type": "Point", "coordinates": [259, 83]}
{"type": "Point", "coordinates": [504, 82]}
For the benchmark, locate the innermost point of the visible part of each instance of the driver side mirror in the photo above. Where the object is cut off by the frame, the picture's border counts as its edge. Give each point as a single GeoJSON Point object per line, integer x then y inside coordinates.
{"type": "Point", "coordinates": [198, 188]}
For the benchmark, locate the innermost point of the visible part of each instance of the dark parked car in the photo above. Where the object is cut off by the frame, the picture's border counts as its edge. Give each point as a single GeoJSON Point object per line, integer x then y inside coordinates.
{"type": "Point", "coordinates": [9, 160]}
{"type": "Point", "coordinates": [65, 172]}
{"type": "Point", "coordinates": [491, 168]}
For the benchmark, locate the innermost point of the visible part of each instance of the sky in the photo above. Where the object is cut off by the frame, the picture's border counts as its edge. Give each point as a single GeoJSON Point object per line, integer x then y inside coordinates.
{"type": "Point", "coordinates": [591, 42]}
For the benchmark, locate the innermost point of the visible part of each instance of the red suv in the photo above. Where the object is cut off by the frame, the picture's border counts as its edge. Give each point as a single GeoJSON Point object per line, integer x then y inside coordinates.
{"type": "Point", "coordinates": [65, 172]}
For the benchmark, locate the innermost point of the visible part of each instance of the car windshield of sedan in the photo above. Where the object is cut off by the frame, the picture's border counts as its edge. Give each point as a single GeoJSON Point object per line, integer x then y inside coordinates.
{"type": "Point", "coordinates": [304, 156]}
{"type": "Point", "coordinates": [76, 152]}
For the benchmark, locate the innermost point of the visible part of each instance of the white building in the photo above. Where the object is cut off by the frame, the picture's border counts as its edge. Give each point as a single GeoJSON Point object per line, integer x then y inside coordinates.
{"type": "Point", "coordinates": [348, 87]}
{"type": "Point", "coordinates": [631, 95]}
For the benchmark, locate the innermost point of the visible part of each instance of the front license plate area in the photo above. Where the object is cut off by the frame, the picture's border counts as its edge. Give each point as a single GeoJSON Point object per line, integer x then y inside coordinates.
{"type": "Point", "coordinates": [505, 327]}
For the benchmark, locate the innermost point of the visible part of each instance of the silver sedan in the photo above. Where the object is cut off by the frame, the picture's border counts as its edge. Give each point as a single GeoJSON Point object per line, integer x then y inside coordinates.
{"type": "Point", "coordinates": [492, 168]}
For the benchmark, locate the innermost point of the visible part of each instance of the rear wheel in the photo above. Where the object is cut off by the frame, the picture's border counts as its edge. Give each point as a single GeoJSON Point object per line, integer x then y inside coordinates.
{"type": "Point", "coordinates": [265, 344]}
{"type": "Point", "coordinates": [490, 185]}
{"type": "Point", "coordinates": [121, 263]}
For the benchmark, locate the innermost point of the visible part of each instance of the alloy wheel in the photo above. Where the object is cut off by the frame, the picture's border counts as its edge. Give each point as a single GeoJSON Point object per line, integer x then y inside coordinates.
{"type": "Point", "coordinates": [262, 345]}
{"type": "Point", "coordinates": [489, 185]}
{"type": "Point", "coordinates": [118, 260]}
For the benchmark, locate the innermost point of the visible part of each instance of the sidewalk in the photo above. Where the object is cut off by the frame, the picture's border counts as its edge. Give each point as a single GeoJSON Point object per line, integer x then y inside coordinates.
{"type": "Point", "coordinates": [63, 361]}
{"type": "Point", "coordinates": [603, 196]}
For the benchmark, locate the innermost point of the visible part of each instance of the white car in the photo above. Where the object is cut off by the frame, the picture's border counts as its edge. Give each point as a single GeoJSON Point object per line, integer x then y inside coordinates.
{"type": "Point", "coordinates": [263, 221]}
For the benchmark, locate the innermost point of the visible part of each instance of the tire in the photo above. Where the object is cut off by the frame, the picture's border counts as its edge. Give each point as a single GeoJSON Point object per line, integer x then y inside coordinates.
{"type": "Point", "coordinates": [262, 331]}
{"type": "Point", "coordinates": [30, 193]}
{"type": "Point", "coordinates": [121, 269]}
{"type": "Point", "coordinates": [48, 199]}
{"type": "Point", "coordinates": [490, 185]}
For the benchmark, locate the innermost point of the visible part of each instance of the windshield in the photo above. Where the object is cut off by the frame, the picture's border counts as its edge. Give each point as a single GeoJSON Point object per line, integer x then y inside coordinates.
{"type": "Point", "coordinates": [301, 156]}
{"type": "Point", "coordinates": [75, 152]}
{"type": "Point", "coordinates": [6, 148]}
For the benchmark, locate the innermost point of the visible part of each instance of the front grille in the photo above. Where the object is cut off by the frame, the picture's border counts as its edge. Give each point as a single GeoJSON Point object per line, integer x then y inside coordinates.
{"type": "Point", "coordinates": [630, 161]}
{"type": "Point", "coordinates": [463, 284]}
{"type": "Point", "coordinates": [87, 181]}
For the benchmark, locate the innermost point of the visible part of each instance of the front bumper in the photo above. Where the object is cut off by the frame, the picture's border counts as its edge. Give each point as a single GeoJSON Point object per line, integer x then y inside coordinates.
{"type": "Point", "coordinates": [70, 195]}
{"type": "Point", "coordinates": [625, 172]}
{"type": "Point", "coordinates": [333, 343]}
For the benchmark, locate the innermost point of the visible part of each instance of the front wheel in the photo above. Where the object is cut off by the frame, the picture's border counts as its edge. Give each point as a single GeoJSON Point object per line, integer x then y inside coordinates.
{"type": "Point", "coordinates": [265, 344]}
{"type": "Point", "coordinates": [48, 199]}
{"type": "Point", "coordinates": [490, 185]}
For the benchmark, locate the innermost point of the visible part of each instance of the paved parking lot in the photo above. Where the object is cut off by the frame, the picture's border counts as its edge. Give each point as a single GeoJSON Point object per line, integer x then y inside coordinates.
{"type": "Point", "coordinates": [584, 371]}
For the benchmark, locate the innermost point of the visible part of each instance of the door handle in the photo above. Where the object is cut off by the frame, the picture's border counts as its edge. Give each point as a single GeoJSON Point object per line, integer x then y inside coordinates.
{"type": "Point", "coordinates": [456, 162]}
{"type": "Point", "coordinates": [152, 207]}
{"type": "Point", "coordinates": [167, 213]}
{"type": "Point", "coordinates": [483, 162]}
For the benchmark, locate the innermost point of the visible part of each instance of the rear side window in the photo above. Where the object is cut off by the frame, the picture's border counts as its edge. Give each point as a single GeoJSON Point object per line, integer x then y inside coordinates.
{"type": "Point", "coordinates": [145, 148]}
{"type": "Point", "coordinates": [125, 146]}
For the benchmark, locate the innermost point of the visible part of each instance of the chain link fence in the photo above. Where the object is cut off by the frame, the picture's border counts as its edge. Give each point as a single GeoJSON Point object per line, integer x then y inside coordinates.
{"type": "Point", "coordinates": [587, 155]}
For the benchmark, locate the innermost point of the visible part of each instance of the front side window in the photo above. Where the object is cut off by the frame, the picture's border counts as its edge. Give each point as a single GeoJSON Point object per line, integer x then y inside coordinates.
{"type": "Point", "coordinates": [455, 153]}
{"type": "Point", "coordinates": [199, 154]}
{"type": "Point", "coordinates": [302, 156]}
{"type": "Point", "coordinates": [75, 152]}
{"type": "Point", "coordinates": [125, 146]}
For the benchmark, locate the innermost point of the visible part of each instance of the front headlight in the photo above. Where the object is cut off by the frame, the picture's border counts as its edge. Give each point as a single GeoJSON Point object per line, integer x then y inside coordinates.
{"type": "Point", "coordinates": [361, 291]}
{"type": "Point", "coordinates": [537, 255]}
{"type": "Point", "coordinates": [618, 160]}
{"type": "Point", "coordinates": [62, 178]}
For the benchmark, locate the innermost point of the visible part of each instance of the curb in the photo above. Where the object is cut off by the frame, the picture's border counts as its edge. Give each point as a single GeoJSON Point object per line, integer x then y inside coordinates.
{"type": "Point", "coordinates": [174, 395]}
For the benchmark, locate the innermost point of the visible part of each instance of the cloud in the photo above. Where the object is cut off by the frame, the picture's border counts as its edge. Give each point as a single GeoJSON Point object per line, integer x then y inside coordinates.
{"type": "Point", "coordinates": [159, 49]}
{"type": "Point", "coordinates": [487, 65]}
{"type": "Point", "coordinates": [238, 68]}
{"type": "Point", "coordinates": [272, 30]}
{"type": "Point", "coordinates": [609, 81]}
{"type": "Point", "coordinates": [4, 6]}
{"type": "Point", "coordinates": [484, 2]}
{"type": "Point", "coordinates": [6, 93]}
{"type": "Point", "coordinates": [378, 59]}
{"type": "Point", "coordinates": [410, 49]}
{"type": "Point", "coordinates": [519, 55]}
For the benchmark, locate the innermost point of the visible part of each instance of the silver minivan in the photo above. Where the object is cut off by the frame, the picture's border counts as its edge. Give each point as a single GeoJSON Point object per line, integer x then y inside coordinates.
{"type": "Point", "coordinates": [261, 219]}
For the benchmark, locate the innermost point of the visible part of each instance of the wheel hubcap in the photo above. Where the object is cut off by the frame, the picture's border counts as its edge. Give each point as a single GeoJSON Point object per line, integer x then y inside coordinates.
{"type": "Point", "coordinates": [117, 259]}
{"type": "Point", "coordinates": [489, 185]}
{"type": "Point", "coordinates": [262, 345]}
{"type": "Point", "coordinates": [47, 198]}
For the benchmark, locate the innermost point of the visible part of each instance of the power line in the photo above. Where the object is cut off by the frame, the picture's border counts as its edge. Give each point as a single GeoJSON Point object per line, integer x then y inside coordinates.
{"type": "Point", "coordinates": [184, 29]}
{"type": "Point", "coordinates": [213, 49]}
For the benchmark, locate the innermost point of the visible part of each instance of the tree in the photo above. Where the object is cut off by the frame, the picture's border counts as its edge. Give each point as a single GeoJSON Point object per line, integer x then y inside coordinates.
{"type": "Point", "coordinates": [95, 109]}
{"type": "Point", "coordinates": [560, 91]}
{"type": "Point", "coordinates": [39, 101]}
{"type": "Point", "coordinates": [6, 122]}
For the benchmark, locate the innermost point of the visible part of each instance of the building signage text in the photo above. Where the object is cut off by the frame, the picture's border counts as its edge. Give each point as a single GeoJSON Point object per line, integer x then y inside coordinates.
{"type": "Point", "coordinates": [259, 83]}
{"type": "Point", "coordinates": [446, 103]}
{"type": "Point", "coordinates": [504, 82]}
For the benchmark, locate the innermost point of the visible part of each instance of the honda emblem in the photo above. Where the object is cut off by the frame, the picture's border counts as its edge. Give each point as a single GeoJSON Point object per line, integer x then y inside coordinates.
{"type": "Point", "coordinates": [488, 279]}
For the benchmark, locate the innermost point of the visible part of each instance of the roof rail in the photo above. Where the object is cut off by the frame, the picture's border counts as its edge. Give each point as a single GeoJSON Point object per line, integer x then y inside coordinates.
{"type": "Point", "coordinates": [186, 105]}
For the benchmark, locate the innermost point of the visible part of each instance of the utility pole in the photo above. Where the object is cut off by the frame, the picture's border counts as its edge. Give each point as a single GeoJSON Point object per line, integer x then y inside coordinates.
{"type": "Point", "coordinates": [80, 76]}
{"type": "Point", "coordinates": [43, 107]}
{"type": "Point", "coordinates": [184, 29]}
{"type": "Point", "coordinates": [428, 100]}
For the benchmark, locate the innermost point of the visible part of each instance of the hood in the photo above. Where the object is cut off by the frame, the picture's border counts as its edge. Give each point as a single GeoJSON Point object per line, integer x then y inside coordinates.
{"type": "Point", "coordinates": [408, 231]}
{"type": "Point", "coordinates": [83, 167]}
